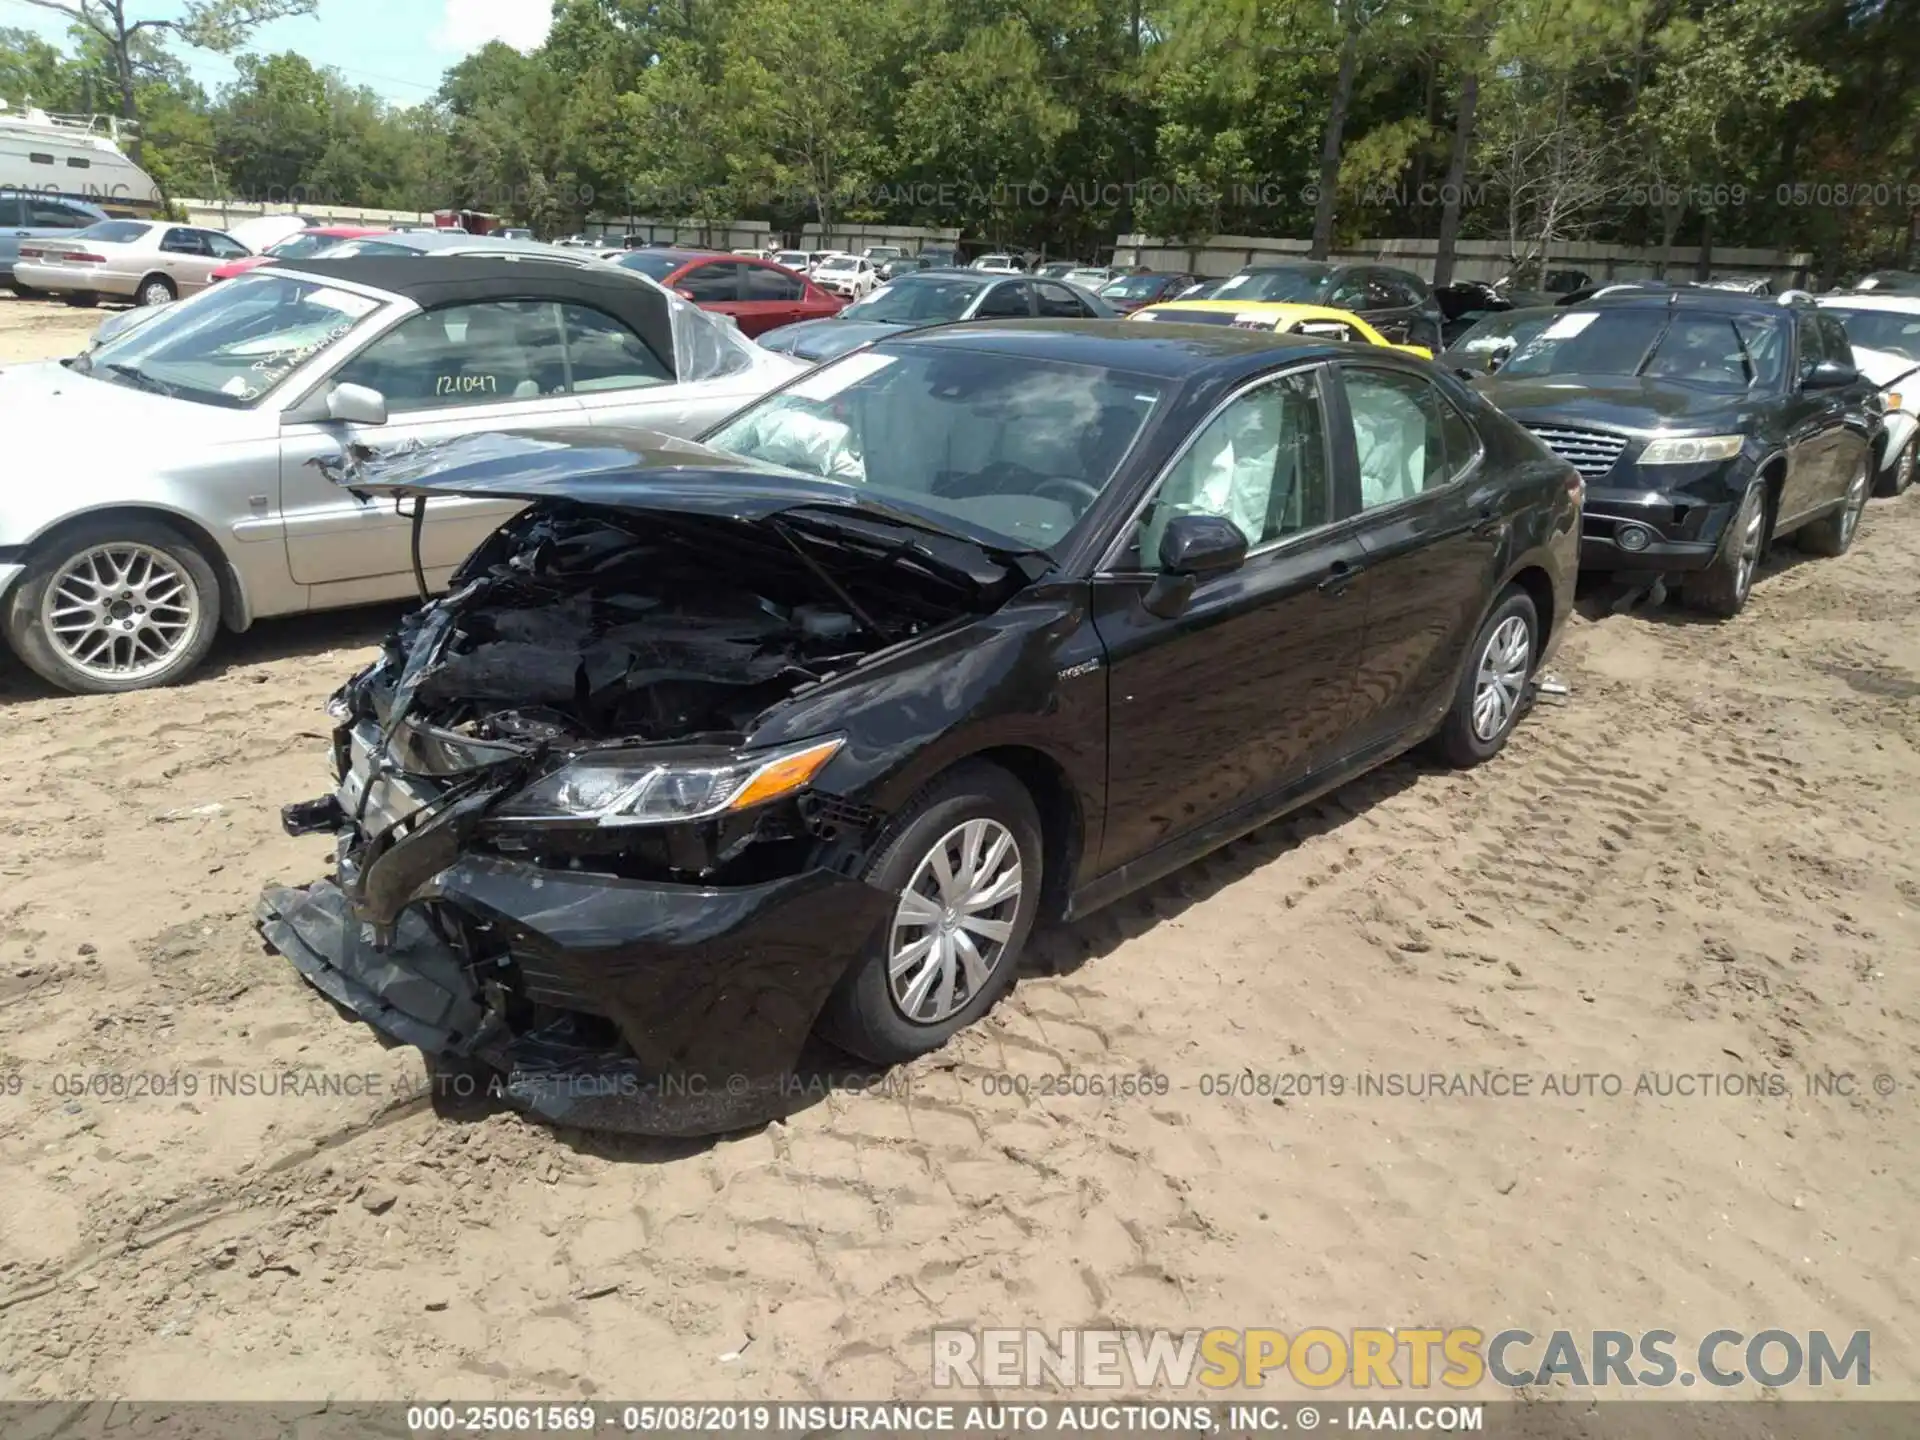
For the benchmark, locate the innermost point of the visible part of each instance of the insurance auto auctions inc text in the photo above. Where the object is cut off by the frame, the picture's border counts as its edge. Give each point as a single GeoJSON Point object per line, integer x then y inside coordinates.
{"type": "Point", "coordinates": [1387, 1359]}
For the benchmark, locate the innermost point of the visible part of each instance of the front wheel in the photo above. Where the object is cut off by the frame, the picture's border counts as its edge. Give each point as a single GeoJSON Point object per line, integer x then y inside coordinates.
{"type": "Point", "coordinates": [963, 865]}
{"type": "Point", "coordinates": [113, 605]}
{"type": "Point", "coordinates": [1832, 534]}
{"type": "Point", "coordinates": [1722, 588]}
{"type": "Point", "coordinates": [1487, 704]}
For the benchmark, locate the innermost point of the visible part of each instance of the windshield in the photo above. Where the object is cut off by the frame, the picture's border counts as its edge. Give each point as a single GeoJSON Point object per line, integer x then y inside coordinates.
{"type": "Point", "coordinates": [792, 259]}
{"type": "Point", "coordinates": [1012, 447]}
{"type": "Point", "coordinates": [1499, 332]}
{"type": "Point", "coordinates": [1187, 317]}
{"type": "Point", "coordinates": [231, 344]}
{"type": "Point", "coordinates": [654, 264]}
{"type": "Point", "coordinates": [1715, 352]}
{"type": "Point", "coordinates": [112, 232]}
{"type": "Point", "coordinates": [917, 300]}
{"type": "Point", "coordinates": [1297, 285]}
{"type": "Point", "coordinates": [839, 262]}
{"type": "Point", "coordinates": [347, 249]}
{"type": "Point", "coordinates": [298, 247]}
{"type": "Point", "coordinates": [1889, 330]}
{"type": "Point", "coordinates": [1136, 287]}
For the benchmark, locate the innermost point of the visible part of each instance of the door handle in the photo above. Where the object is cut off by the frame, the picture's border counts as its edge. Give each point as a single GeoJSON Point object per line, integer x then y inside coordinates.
{"type": "Point", "coordinates": [1340, 575]}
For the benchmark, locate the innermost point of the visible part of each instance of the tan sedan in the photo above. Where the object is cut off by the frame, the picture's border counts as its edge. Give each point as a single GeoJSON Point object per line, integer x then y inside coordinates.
{"type": "Point", "coordinates": [146, 261]}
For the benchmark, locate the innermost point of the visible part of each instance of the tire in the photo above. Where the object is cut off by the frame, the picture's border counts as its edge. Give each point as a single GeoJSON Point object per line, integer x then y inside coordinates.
{"type": "Point", "coordinates": [1723, 587]}
{"type": "Point", "coordinates": [1895, 479]}
{"type": "Point", "coordinates": [863, 1016]}
{"type": "Point", "coordinates": [1492, 690]}
{"type": "Point", "coordinates": [153, 555]}
{"type": "Point", "coordinates": [156, 290]}
{"type": "Point", "coordinates": [1832, 534]}
{"type": "Point", "coordinates": [82, 299]}
{"type": "Point", "coordinates": [23, 292]}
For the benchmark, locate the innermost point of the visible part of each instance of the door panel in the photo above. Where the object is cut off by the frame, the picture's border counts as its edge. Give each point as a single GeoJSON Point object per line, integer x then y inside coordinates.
{"type": "Point", "coordinates": [1250, 687]}
{"type": "Point", "coordinates": [1432, 526]}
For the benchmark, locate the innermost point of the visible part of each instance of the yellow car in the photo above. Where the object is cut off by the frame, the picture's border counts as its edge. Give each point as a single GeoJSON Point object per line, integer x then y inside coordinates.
{"type": "Point", "coordinates": [1316, 320]}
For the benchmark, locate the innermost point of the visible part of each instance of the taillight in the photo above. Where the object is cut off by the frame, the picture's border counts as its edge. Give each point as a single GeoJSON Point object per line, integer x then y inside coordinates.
{"type": "Point", "coordinates": [81, 257]}
{"type": "Point", "coordinates": [28, 253]}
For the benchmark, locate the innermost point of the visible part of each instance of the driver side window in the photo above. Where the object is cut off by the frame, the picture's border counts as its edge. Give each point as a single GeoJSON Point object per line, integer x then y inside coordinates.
{"type": "Point", "coordinates": [1261, 462]}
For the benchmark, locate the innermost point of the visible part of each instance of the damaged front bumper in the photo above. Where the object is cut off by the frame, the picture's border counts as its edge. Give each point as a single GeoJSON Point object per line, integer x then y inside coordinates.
{"type": "Point", "coordinates": [597, 1000]}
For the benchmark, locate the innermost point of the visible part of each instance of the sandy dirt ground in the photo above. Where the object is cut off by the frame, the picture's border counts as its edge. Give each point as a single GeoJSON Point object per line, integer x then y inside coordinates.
{"type": "Point", "coordinates": [1701, 864]}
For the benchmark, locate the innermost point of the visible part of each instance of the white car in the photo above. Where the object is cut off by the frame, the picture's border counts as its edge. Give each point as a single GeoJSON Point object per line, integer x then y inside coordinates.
{"type": "Point", "coordinates": [850, 275]}
{"type": "Point", "coordinates": [999, 265]}
{"type": "Point", "coordinates": [1885, 331]}
{"type": "Point", "coordinates": [215, 507]}
{"type": "Point", "coordinates": [144, 261]}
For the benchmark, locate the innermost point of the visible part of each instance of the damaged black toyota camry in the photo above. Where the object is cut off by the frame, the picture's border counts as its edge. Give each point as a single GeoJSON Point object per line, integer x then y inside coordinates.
{"type": "Point", "coordinates": [802, 729]}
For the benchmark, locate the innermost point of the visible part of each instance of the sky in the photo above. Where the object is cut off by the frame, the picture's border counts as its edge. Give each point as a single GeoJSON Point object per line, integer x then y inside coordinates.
{"type": "Point", "coordinates": [398, 48]}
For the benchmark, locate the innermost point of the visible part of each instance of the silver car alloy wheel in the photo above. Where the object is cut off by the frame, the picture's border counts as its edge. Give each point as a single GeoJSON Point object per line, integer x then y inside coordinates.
{"type": "Point", "coordinates": [1752, 541]}
{"type": "Point", "coordinates": [1856, 502]}
{"type": "Point", "coordinates": [1502, 677]}
{"type": "Point", "coordinates": [121, 611]}
{"type": "Point", "coordinates": [954, 920]}
{"type": "Point", "coordinates": [155, 292]}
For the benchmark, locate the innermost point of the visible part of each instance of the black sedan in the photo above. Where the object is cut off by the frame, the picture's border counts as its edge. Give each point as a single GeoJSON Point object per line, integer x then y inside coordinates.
{"type": "Point", "coordinates": [934, 297]}
{"type": "Point", "coordinates": [1397, 303]}
{"type": "Point", "coordinates": [808, 726]}
{"type": "Point", "coordinates": [1708, 425]}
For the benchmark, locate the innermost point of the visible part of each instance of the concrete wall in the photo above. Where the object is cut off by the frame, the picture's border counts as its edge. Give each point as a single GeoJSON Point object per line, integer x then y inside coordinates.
{"type": "Point", "coordinates": [1474, 259]}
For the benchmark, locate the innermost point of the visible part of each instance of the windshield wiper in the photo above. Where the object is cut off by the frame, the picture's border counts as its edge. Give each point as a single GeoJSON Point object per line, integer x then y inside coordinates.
{"type": "Point", "coordinates": [140, 380]}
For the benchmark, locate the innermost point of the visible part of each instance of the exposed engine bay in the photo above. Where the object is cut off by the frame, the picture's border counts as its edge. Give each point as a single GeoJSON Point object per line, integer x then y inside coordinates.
{"type": "Point", "coordinates": [588, 631]}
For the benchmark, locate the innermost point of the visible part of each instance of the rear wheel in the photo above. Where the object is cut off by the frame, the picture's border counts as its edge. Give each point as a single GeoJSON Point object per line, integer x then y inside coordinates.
{"type": "Point", "coordinates": [1895, 479]}
{"type": "Point", "coordinates": [156, 290]}
{"type": "Point", "coordinates": [1722, 588]}
{"type": "Point", "coordinates": [1833, 534]}
{"type": "Point", "coordinates": [1493, 688]}
{"type": "Point", "coordinates": [23, 292]}
{"type": "Point", "coordinates": [113, 605]}
{"type": "Point", "coordinates": [963, 866]}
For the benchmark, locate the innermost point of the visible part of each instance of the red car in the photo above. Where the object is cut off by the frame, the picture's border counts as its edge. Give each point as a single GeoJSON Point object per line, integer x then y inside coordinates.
{"type": "Point", "coordinates": [296, 247]}
{"type": "Point", "coordinates": [759, 294]}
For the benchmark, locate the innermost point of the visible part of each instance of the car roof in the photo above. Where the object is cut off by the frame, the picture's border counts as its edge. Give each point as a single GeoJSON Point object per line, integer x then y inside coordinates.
{"type": "Point", "coordinates": [429, 242]}
{"type": "Point", "coordinates": [466, 279]}
{"type": "Point", "coordinates": [1173, 352]}
{"type": "Point", "coordinates": [1725, 301]}
{"type": "Point", "coordinates": [1263, 267]}
{"type": "Point", "coordinates": [1275, 309]}
{"type": "Point", "coordinates": [1908, 304]}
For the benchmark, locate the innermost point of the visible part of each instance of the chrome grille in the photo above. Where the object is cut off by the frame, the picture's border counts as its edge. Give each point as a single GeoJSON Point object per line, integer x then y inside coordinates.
{"type": "Point", "coordinates": [1591, 452]}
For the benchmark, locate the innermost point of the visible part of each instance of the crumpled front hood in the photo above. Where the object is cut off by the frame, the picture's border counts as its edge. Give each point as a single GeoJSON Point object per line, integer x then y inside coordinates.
{"type": "Point", "coordinates": [667, 479]}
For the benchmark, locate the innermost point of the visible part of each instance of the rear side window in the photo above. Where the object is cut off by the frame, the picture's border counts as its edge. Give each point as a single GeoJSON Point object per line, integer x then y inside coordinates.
{"type": "Point", "coordinates": [707, 284]}
{"type": "Point", "coordinates": [52, 215]}
{"type": "Point", "coordinates": [605, 355]}
{"type": "Point", "coordinates": [184, 242]}
{"type": "Point", "coordinates": [1003, 302]}
{"type": "Point", "coordinates": [766, 283]}
{"type": "Point", "coordinates": [1061, 303]}
{"type": "Point", "coordinates": [12, 209]}
{"type": "Point", "coordinates": [1839, 347]}
{"type": "Point", "coordinates": [1407, 437]}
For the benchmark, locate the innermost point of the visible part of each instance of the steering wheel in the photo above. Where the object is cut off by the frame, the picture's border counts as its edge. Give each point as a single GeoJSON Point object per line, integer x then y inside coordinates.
{"type": "Point", "coordinates": [1079, 493]}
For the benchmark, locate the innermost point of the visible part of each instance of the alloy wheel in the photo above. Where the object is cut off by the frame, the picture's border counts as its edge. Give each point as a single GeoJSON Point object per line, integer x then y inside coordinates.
{"type": "Point", "coordinates": [955, 917]}
{"type": "Point", "coordinates": [121, 611]}
{"type": "Point", "coordinates": [1502, 678]}
{"type": "Point", "coordinates": [1752, 541]}
{"type": "Point", "coordinates": [1856, 502]}
{"type": "Point", "coordinates": [155, 294]}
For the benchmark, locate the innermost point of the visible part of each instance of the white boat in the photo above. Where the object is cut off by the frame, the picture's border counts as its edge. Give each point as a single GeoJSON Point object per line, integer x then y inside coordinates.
{"type": "Point", "coordinates": [73, 156]}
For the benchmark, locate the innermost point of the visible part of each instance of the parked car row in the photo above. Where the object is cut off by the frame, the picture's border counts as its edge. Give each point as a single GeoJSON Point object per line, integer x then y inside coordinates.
{"type": "Point", "coordinates": [762, 699]}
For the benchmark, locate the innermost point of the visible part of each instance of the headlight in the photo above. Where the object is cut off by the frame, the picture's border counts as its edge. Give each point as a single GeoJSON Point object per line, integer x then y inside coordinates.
{"type": "Point", "coordinates": [665, 794]}
{"type": "Point", "coordinates": [1692, 449]}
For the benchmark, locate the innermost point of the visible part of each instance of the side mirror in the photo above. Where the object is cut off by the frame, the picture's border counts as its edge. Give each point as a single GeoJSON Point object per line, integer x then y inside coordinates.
{"type": "Point", "coordinates": [1192, 548]}
{"type": "Point", "coordinates": [357, 405]}
{"type": "Point", "coordinates": [1830, 375]}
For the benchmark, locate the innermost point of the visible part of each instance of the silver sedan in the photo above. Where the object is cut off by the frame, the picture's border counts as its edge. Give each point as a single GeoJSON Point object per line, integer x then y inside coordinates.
{"type": "Point", "coordinates": [177, 477]}
{"type": "Point", "coordinates": [145, 261]}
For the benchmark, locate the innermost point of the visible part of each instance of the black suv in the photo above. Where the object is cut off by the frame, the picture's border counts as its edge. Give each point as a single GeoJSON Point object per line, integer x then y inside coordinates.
{"type": "Point", "coordinates": [1397, 303]}
{"type": "Point", "coordinates": [1707, 424]}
